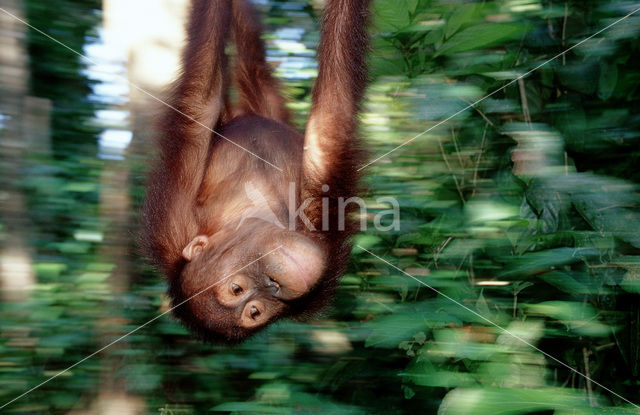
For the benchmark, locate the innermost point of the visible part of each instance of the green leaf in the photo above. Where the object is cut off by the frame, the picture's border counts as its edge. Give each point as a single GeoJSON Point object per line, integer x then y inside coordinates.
{"type": "Point", "coordinates": [412, 4]}
{"type": "Point", "coordinates": [564, 282]}
{"type": "Point", "coordinates": [387, 66]}
{"type": "Point", "coordinates": [366, 241]}
{"type": "Point", "coordinates": [434, 37]}
{"type": "Point", "coordinates": [391, 15]}
{"type": "Point", "coordinates": [563, 310]}
{"type": "Point", "coordinates": [462, 14]}
{"type": "Point", "coordinates": [389, 331]}
{"type": "Point", "coordinates": [608, 80]}
{"type": "Point", "coordinates": [492, 401]}
{"type": "Point", "coordinates": [581, 318]}
{"type": "Point", "coordinates": [601, 201]}
{"type": "Point", "coordinates": [581, 77]}
{"type": "Point", "coordinates": [480, 36]}
{"type": "Point", "coordinates": [541, 261]}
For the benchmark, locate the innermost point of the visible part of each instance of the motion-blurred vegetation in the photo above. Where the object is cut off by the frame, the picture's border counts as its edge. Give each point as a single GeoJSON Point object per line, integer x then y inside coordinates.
{"type": "Point", "coordinates": [512, 286]}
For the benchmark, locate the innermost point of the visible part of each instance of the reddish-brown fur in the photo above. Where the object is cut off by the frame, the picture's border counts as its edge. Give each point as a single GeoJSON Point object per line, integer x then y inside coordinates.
{"type": "Point", "coordinates": [197, 185]}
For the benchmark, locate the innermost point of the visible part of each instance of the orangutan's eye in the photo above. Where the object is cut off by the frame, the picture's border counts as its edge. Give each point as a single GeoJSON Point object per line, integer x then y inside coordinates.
{"type": "Point", "coordinates": [236, 289]}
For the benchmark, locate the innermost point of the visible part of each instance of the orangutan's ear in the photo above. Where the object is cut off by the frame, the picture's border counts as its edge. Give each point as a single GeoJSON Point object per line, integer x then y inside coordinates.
{"type": "Point", "coordinates": [195, 247]}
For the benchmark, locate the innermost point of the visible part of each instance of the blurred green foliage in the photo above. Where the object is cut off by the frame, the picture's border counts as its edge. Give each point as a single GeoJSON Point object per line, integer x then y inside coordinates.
{"type": "Point", "coordinates": [518, 243]}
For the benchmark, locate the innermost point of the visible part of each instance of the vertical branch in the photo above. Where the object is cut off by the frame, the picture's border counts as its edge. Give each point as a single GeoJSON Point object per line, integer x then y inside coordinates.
{"type": "Point", "coordinates": [16, 272]}
{"type": "Point", "coordinates": [525, 101]}
{"type": "Point", "coordinates": [564, 31]}
{"type": "Point", "coordinates": [587, 372]}
{"type": "Point", "coordinates": [455, 179]}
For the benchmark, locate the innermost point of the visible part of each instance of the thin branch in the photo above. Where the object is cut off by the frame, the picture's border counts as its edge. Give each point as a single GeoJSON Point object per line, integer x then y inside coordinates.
{"type": "Point", "coordinates": [455, 179]}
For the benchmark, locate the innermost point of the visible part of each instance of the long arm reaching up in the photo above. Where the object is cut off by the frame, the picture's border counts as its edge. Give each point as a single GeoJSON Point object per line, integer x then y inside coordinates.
{"type": "Point", "coordinates": [194, 109]}
{"type": "Point", "coordinates": [259, 90]}
{"type": "Point", "coordinates": [331, 151]}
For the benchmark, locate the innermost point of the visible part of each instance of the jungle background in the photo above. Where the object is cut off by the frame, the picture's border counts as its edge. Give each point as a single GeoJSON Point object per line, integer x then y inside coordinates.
{"type": "Point", "coordinates": [515, 270]}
